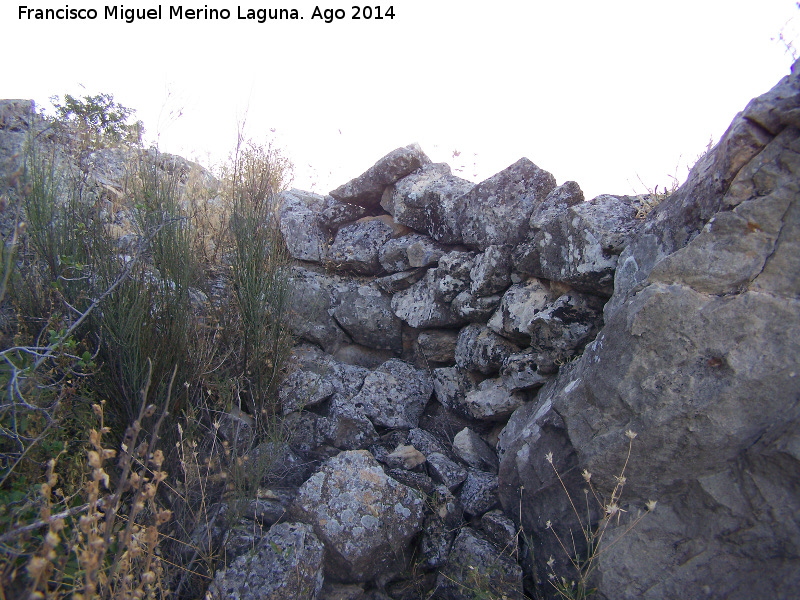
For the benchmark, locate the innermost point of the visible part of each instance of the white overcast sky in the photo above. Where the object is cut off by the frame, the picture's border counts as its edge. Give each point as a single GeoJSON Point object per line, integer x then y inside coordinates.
{"type": "Point", "coordinates": [603, 93]}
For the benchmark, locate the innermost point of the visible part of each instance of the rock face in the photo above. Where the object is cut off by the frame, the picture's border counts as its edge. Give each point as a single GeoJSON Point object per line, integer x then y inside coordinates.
{"type": "Point", "coordinates": [699, 356]}
{"type": "Point", "coordinates": [364, 518]}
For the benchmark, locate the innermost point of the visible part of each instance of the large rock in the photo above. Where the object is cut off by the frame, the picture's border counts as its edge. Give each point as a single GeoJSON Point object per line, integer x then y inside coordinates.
{"type": "Point", "coordinates": [394, 395]}
{"type": "Point", "coordinates": [492, 401]}
{"type": "Point", "coordinates": [562, 329]}
{"type": "Point", "coordinates": [429, 201]}
{"type": "Point", "coordinates": [365, 518]}
{"type": "Point", "coordinates": [710, 185]}
{"type": "Point", "coordinates": [497, 211]}
{"type": "Point", "coordinates": [410, 252]}
{"type": "Point", "coordinates": [702, 362]}
{"type": "Point", "coordinates": [300, 227]}
{"type": "Point", "coordinates": [311, 306]}
{"type": "Point", "coordinates": [452, 276]}
{"type": "Point", "coordinates": [476, 568]}
{"type": "Point", "coordinates": [419, 307]}
{"type": "Point", "coordinates": [357, 246]}
{"type": "Point", "coordinates": [518, 308]}
{"type": "Point", "coordinates": [365, 313]}
{"type": "Point", "coordinates": [492, 272]}
{"type": "Point", "coordinates": [480, 349]}
{"type": "Point", "coordinates": [366, 190]}
{"type": "Point", "coordinates": [286, 564]}
{"type": "Point", "coordinates": [580, 244]}
{"type": "Point", "coordinates": [451, 384]}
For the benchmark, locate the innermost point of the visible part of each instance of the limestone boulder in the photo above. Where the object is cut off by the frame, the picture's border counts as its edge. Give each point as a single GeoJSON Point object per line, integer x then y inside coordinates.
{"type": "Point", "coordinates": [437, 346]}
{"type": "Point", "coordinates": [580, 244]}
{"type": "Point", "coordinates": [335, 214]}
{"type": "Point", "coordinates": [357, 246]}
{"type": "Point", "coordinates": [365, 313]}
{"type": "Point", "coordinates": [286, 564]}
{"type": "Point", "coordinates": [518, 308]}
{"type": "Point", "coordinates": [310, 313]}
{"type": "Point", "coordinates": [479, 492]}
{"type": "Point", "coordinates": [473, 450]}
{"type": "Point", "coordinates": [299, 223]}
{"type": "Point", "coordinates": [701, 361]}
{"type": "Point", "coordinates": [491, 272]}
{"type": "Point", "coordinates": [394, 395]}
{"type": "Point", "coordinates": [367, 189]}
{"type": "Point", "coordinates": [419, 307]}
{"type": "Point", "coordinates": [410, 252]}
{"type": "Point", "coordinates": [429, 201]}
{"type": "Point", "coordinates": [475, 309]}
{"type": "Point", "coordinates": [497, 211]}
{"type": "Point", "coordinates": [476, 566]}
{"type": "Point", "coordinates": [452, 276]}
{"type": "Point", "coordinates": [492, 401]}
{"type": "Point", "coordinates": [562, 329]}
{"type": "Point", "coordinates": [480, 349]}
{"type": "Point", "coordinates": [364, 518]}
{"type": "Point", "coordinates": [451, 384]}
{"type": "Point", "coordinates": [769, 119]}
{"type": "Point", "coordinates": [303, 389]}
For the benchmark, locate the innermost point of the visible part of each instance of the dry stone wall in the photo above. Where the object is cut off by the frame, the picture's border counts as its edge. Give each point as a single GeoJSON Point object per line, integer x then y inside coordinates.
{"type": "Point", "coordinates": [465, 331]}
{"type": "Point", "coordinates": [452, 335]}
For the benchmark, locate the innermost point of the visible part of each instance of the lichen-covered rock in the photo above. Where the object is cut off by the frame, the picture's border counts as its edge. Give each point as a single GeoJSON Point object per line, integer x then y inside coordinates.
{"type": "Point", "coordinates": [337, 214]}
{"type": "Point", "coordinates": [555, 205]}
{"type": "Point", "coordinates": [410, 252]}
{"type": "Point", "coordinates": [394, 395]}
{"type": "Point", "coordinates": [365, 313]}
{"type": "Point", "coordinates": [419, 307]}
{"type": "Point", "coordinates": [491, 272]}
{"type": "Point", "coordinates": [497, 211]}
{"type": "Point", "coordinates": [429, 201]}
{"type": "Point", "coordinates": [357, 246]}
{"type": "Point", "coordinates": [397, 282]}
{"type": "Point", "coordinates": [473, 450]}
{"type": "Point", "coordinates": [500, 529]}
{"type": "Point", "coordinates": [492, 401]}
{"type": "Point", "coordinates": [563, 328]}
{"type": "Point", "coordinates": [480, 349]}
{"type": "Point", "coordinates": [364, 518]}
{"type": "Point", "coordinates": [286, 565]}
{"type": "Point", "coordinates": [437, 346]}
{"type": "Point", "coordinates": [701, 362]}
{"type": "Point", "coordinates": [445, 471]}
{"type": "Point", "coordinates": [302, 389]}
{"type": "Point", "coordinates": [452, 275]}
{"type": "Point", "coordinates": [300, 226]}
{"type": "Point", "coordinates": [580, 244]}
{"type": "Point", "coordinates": [519, 306]}
{"type": "Point", "coordinates": [475, 309]}
{"type": "Point", "coordinates": [521, 372]}
{"type": "Point", "coordinates": [477, 567]}
{"type": "Point", "coordinates": [366, 190]}
{"type": "Point", "coordinates": [451, 384]}
{"type": "Point", "coordinates": [310, 317]}
{"type": "Point", "coordinates": [479, 492]}
{"type": "Point", "coordinates": [426, 442]}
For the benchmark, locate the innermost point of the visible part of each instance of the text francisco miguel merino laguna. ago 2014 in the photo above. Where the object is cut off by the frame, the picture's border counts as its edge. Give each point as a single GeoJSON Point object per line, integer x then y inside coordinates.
{"type": "Point", "coordinates": [179, 12]}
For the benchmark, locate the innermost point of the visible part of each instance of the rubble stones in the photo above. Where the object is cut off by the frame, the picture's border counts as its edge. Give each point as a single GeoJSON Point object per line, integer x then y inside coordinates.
{"type": "Point", "coordinates": [287, 564]}
{"type": "Point", "coordinates": [363, 517]}
{"type": "Point", "coordinates": [366, 190]}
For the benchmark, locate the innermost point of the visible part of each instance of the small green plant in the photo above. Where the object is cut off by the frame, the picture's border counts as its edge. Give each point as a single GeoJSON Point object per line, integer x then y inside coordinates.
{"type": "Point", "coordinates": [577, 585]}
{"type": "Point", "coordinates": [99, 119]}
